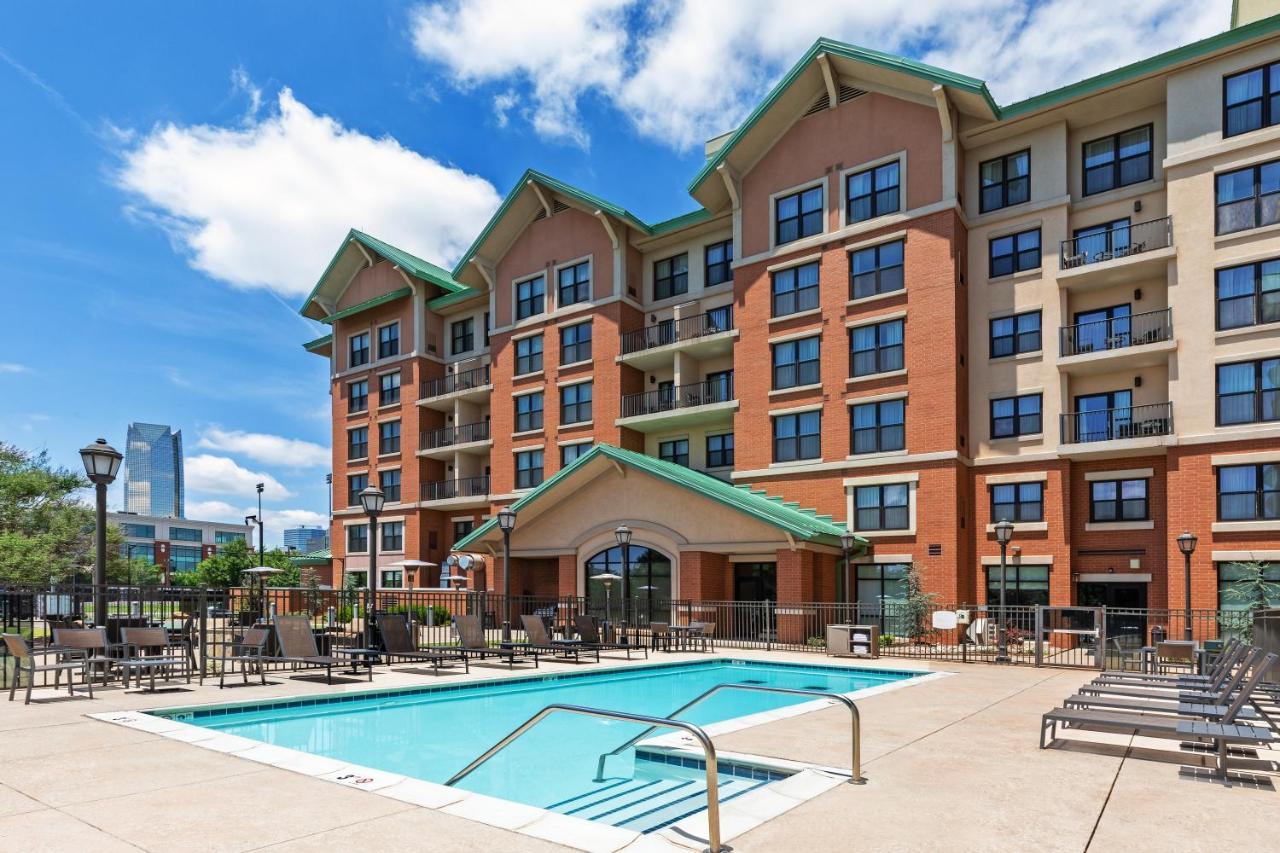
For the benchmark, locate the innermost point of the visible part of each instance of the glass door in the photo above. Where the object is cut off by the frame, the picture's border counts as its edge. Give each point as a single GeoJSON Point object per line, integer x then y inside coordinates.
{"type": "Point", "coordinates": [1103, 417]}
{"type": "Point", "coordinates": [1101, 329]}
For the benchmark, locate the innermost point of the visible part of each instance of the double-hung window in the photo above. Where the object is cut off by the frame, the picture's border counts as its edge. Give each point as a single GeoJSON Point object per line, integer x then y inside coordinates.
{"type": "Point", "coordinates": [873, 192]}
{"type": "Point", "coordinates": [795, 289]}
{"type": "Point", "coordinates": [570, 452]}
{"type": "Point", "coordinates": [356, 483]}
{"type": "Point", "coordinates": [392, 536]}
{"type": "Point", "coordinates": [528, 355]}
{"type": "Point", "coordinates": [389, 482]}
{"type": "Point", "coordinates": [1249, 295]}
{"type": "Point", "coordinates": [575, 403]}
{"type": "Point", "coordinates": [1017, 502]}
{"type": "Point", "coordinates": [531, 297]}
{"type": "Point", "coordinates": [1014, 416]}
{"type": "Point", "coordinates": [675, 450]}
{"type": "Point", "coordinates": [1005, 181]}
{"type": "Point", "coordinates": [876, 270]}
{"type": "Point", "coordinates": [575, 283]}
{"type": "Point", "coordinates": [359, 350]}
{"type": "Point", "coordinates": [1118, 500]}
{"type": "Point", "coordinates": [388, 437]}
{"type": "Point", "coordinates": [1014, 253]}
{"type": "Point", "coordinates": [719, 263]}
{"type": "Point", "coordinates": [1117, 160]}
{"type": "Point", "coordinates": [1249, 492]}
{"type": "Point", "coordinates": [878, 427]}
{"type": "Point", "coordinates": [358, 443]}
{"type": "Point", "coordinates": [797, 436]}
{"type": "Point", "coordinates": [358, 396]}
{"type": "Point", "coordinates": [1248, 198]}
{"type": "Point", "coordinates": [389, 340]}
{"type": "Point", "coordinates": [798, 215]}
{"type": "Point", "coordinates": [575, 343]}
{"type": "Point", "coordinates": [1015, 335]}
{"type": "Point", "coordinates": [528, 469]}
{"type": "Point", "coordinates": [529, 411]}
{"type": "Point", "coordinates": [884, 507]}
{"type": "Point", "coordinates": [1251, 100]}
{"type": "Point", "coordinates": [876, 348]}
{"type": "Point", "coordinates": [795, 363]}
{"type": "Point", "coordinates": [1249, 392]}
{"type": "Point", "coordinates": [463, 334]}
{"type": "Point", "coordinates": [389, 388]}
{"type": "Point", "coordinates": [357, 538]}
{"type": "Point", "coordinates": [720, 450]}
{"type": "Point", "coordinates": [671, 276]}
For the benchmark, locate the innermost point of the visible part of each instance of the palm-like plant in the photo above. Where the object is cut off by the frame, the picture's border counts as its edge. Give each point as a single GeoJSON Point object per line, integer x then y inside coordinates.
{"type": "Point", "coordinates": [1250, 589]}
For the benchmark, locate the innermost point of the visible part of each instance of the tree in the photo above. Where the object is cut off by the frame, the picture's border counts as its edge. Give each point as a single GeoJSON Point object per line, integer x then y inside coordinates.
{"type": "Point", "coordinates": [46, 532]}
{"type": "Point", "coordinates": [918, 604]}
{"type": "Point", "coordinates": [1250, 589]}
{"type": "Point", "coordinates": [226, 568]}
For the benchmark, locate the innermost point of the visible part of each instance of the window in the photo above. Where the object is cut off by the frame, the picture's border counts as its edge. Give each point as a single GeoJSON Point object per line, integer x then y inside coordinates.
{"type": "Point", "coordinates": [185, 534]}
{"type": "Point", "coordinates": [1018, 502]}
{"type": "Point", "coordinates": [1248, 198]}
{"type": "Point", "coordinates": [358, 396]}
{"type": "Point", "coordinates": [717, 387]}
{"type": "Point", "coordinates": [872, 193]}
{"type": "Point", "coordinates": [389, 340]}
{"type": "Point", "coordinates": [674, 450]}
{"type": "Point", "coordinates": [463, 335]}
{"type": "Point", "coordinates": [529, 412]}
{"type": "Point", "coordinates": [882, 507]}
{"type": "Point", "coordinates": [1118, 500]}
{"type": "Point", "coordinates": [719, 263]}
{"type": "Point", "coordinates": [358, 443]}
{"type": "Point", "coordinates": [226, 537]}
{"type": "Point", "coordinates": [388, 437]}
{"type": "Point", "coordinates": [392, 578]}
{"type": "Point", "coordinates": [389, 482]}
{"type": "Point", "coordinates": [528, 469]}
{"type": "Point", "coordinates": [795, 363]}
{"type": "Point", "coordinates": [671, 277]}
{"type": "Point", "coordinates": [1251, 100]}
{"type": "Point", "coordinates": [1024, 586]}
{"type": "Point", "coordinates": [139, 531]}
{"type": "Point", "coordinates": [392, 536]}
{"type": "Point", "coordinates": [1013, 416]}
{"type": "Point", "coordinates": [575, 343]}
{"type": "Point", "coordinates": [463, 528]}
{"type": "Point", "coordinates": [356, 483]}
{"type": "Point", "coordinates": [882, 583]}
{"type": "Point", "coordinates": [530, 297]}
{"type": "Point", "coordinates": [1014, 253]}
{"type": "Point", "coordinates": [878, 427]}
{"type": "Point", "coordinates": [720, 451]}
{"type": "Point", "coordinates": [1015, 335]}
{"type": "Point", "coordinates": [1117, 160]}
{"type": "Point", "coordinates": [1237, 586]}
{"type": "Point", "coordinates": [797, 436]}
{"type": "Point", "coordinates": [1249, 295]}
{"type": "Point", "coordinates": [357, 538]}
{"type": "Point", "coordinates": [1004, 181]}
{"type": "Point", "coordinates": [529, 355]}
{"type": "Point", "coordinates": [486, 328]}
{"type": "Point", "coordinates": [798, 215]}
{"type": "Point", "coordinates": [795, 289]}
{"type": "Point", "coordinates": [1100, 242]}
{"type": "Point", "coordinates": [389, 388]}
{"type": "Point", "coordinates": [575, 403]}
{"type": "Point", "coordinates": [876, 270]}
{"type": "Point", "coordinates": [359, 352]}
{"type": "Point", "coordinates": [570, 452]}
{"type": "Point", "coordinates": [1249, 392]}
{"type": "Point", "coordinates": [1249, 492]}
{"type": "Point", "coordinates": [876, 348]}
{"type": "Point", "coordinates": [575, 284]}
{"type": "Point", "coordinates": [183, 558]}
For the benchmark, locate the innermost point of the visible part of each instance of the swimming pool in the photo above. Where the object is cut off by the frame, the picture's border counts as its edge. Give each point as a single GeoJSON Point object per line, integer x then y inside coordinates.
{"type": "Point", "coordinates": [432, 732]}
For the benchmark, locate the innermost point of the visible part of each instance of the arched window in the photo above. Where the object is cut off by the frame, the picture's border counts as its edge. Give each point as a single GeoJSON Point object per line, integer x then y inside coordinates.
{"type": "Point", "coordinates": [649, 582]}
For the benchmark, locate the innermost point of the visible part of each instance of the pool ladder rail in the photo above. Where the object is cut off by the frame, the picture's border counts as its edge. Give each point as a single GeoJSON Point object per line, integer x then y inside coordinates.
{"type": "Point", "coordinates": [698, 734]}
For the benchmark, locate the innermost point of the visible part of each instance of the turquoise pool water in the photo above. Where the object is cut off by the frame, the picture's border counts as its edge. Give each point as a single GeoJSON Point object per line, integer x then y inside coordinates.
{"type": "Point", "coordinates": [431, 733]}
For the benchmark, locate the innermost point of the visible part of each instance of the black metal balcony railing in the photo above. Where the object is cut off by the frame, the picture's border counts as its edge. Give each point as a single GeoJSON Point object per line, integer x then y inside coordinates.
{"type": "Point", "coordinates": [1119, 242]}
{"type": "Point", "coordinates": [1116, 332]}
{"type": "Point", "coordinates": [465, 487]}
{"type": "Point", "coordinates": [671, 331]}
{"type": "Point", "coordinates": [678, 397]}
{"type": "Point", "coordinates": [477, 377]}
{"type": "Point", "coordinates": [1116, 424]}
{"type": "Point", "coordinates": [449, 436]}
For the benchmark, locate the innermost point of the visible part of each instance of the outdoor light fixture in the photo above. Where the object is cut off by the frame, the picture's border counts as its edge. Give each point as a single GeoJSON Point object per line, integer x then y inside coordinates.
{"type": "Point", "coordinates": [623, 534]}
{"type": "Point", "coordinates": [372, 500]}
{"type": "Point", "coordinates": [507, 523]}
{"type": "Point", "coordinates": [1187, 545]}
{"type": "Point", "coordinates": [1004, 532]}
{"type": "Point", "coordinates": [101, 462]}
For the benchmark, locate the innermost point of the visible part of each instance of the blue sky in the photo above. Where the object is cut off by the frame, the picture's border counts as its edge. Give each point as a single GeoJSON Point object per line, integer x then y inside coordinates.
{"type": "Point", "coordinates": [174, 177]}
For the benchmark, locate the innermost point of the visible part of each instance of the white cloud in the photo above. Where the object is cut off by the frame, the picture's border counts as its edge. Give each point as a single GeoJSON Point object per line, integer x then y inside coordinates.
{"type": "Point", "coordinates": [216, 511]}
{"type": "Point", "coordinates": [218, 475]}
{"type": "Point", "coordinates": [275, 520]}
{"type": "Point", "coordinates": [266, 203]}
{"type": "Point", "coordinates": [13, 367]}
{"type": "Point", "coordinates": [263, 447]}
{"type": "Point", "coordinates": [295, 518]}
{"type": "Point", "coordinates": [685, 70]}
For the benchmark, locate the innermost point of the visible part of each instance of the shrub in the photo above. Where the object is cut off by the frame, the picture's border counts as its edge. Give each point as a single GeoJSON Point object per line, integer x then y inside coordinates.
{"type": "Point", "coordinates": [343, 614]}
{"type": "Point", "coordinates": [440, 615]}
{"type": "Point", "coordinates": [816, 642]}
{"type": "Point", "coordinates": [886, 639]}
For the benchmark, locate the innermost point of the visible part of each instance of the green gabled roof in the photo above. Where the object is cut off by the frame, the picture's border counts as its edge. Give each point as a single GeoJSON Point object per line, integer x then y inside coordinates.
{"type": "Point", "coordinates": [313, 558]}
{"type": "Point", "coordinates": [369, 303]}
{"type": "Point", "coordinates": [452, 298]}
{"type": "Point", "coordinates": [312, 346]}
{"type": "Point", "coordinates": [804, 525]}
{"type": "Point", "coordinates": [675, 223]}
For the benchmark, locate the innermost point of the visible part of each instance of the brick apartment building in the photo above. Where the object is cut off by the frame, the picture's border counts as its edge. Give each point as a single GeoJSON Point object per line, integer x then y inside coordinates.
{"type": "Point", "coordinates": [898, 306]}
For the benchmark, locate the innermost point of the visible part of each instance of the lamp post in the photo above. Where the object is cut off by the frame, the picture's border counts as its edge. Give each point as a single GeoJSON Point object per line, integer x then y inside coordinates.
{"type": "Point", "coordinates": [101, 463]}
{"type": "Point", "coordinates": [847, 541]}
{"type": "Point", "coordinates": [507, 523]}
{"type": "Point", "coordinates": [262, 554]}
{"type": "Point", "coordinates": [623, 534]}
{"type": "Point", "coordinates": [328, 488]}
{"type": "Point", "coordinates": [372, 500]}
{"type": "Point", "coordinates": [1004, 532]}
{"type": "Point", "coordinates": [1187, 545]}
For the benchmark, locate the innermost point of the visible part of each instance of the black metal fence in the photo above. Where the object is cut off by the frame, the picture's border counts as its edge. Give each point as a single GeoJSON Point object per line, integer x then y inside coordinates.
{"type": "Point", "coordinates": [712, 322]}
{"type": "Point", "coordinates": [1120, 332]}
{"type": "Point", "coordinates": [704, 393]}
{"type": "Point", "coordinates": [1106, 244]}
{"type": "Point", "coordinates": [1119, 423]}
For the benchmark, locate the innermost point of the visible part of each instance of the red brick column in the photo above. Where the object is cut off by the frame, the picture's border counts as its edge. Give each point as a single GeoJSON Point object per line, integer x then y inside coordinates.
{"type": "Point", "coordinates": [567, 574]}
{"type": "Point", "coordinates": [796, 575]}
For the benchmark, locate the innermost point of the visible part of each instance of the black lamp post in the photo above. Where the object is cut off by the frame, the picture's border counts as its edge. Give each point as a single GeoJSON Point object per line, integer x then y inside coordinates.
{"type": "Point", "coordinates": [262, 551]}
{"type": "Point", "coordinates": [847, 541]}
{"type": "Point", "coordinates": [250, 521]}
{"type": "Point", "coordinates": [372, 499]}
{"type": "Point", "coordinates": [1004, 532]}
{"type": "Point", "coordinates": [507, 523]}
{"type": "Point", "coordinates": [1187, 545]}
{"type": "Point", "coordinates": [623, 534]}
{"type": "Point", "coordinates": [101, 463]}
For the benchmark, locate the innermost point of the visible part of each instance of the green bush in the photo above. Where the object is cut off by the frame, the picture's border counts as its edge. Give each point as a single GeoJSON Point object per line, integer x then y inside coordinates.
{"type": "Point", "coordinates": [343, 614]}
{"type": "Point", "coordinates": [886, 639]}
{"type": "Point", "coordinates": [435, 615]}
{"type": "Point", "coordinates": [816, 642]}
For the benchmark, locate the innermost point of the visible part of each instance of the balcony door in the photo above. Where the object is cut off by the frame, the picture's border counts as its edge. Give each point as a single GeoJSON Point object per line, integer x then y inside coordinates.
{"type": "Point", "coordinates": [1104, 241]}
{"type": "Point", "coordinates": [1103, 417]}
{"type": "Point", "coordinates": [1102, 328]}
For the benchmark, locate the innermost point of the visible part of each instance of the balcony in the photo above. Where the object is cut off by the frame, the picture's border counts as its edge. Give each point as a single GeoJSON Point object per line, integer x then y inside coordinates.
{"type": "Point", "coordinates": [696, 403]}
{"type": "Point", "coordinates": [1116, 255]}
{"type": "Point", "coordinates": [465, 438]}
{"type": "Point", "coordinates": [467, 384]}
{"type": "Point", "coordinates": [463, 491]}
{"type": "Point", "coordinates": [1137, 340]}
{"type": "Point", "coordinates": [1131, 428]}
{"type": "Point", "coordinates": [701, 336]}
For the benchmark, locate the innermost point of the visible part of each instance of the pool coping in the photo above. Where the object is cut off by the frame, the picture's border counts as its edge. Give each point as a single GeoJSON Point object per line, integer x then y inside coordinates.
{"type": "Point", "coordinates": [737, 815]}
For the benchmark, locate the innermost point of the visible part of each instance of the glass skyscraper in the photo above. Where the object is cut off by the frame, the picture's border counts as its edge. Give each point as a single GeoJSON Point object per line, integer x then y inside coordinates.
{"type": "Point", "coordinates": [153, 471]}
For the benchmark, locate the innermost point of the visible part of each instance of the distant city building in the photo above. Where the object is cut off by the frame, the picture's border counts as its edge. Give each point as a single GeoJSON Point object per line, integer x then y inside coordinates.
{"type": "Point", "coordinates": [153, 471]}
{"type": "Point", "coordinates": [306, 539]}
{"type": "Point", "coordinates": [174, 544]}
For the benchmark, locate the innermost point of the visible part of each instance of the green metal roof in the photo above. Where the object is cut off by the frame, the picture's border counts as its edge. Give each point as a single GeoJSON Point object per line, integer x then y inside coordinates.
{"type": "Point", "coordinates": [369, 303]}
{"type": "Point", "coordinates": [318, 342]}
{"type": "Point", "coordinates": [805, 524]}
{"type": "Point", "coordinates": [313, 558]}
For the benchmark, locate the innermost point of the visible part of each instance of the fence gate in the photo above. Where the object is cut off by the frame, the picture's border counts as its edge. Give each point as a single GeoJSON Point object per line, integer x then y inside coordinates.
{"type": "Point", "coordinates": [1071, 636]}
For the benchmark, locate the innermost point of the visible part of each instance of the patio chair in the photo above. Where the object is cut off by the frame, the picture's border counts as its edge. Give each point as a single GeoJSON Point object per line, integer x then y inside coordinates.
{"type": "Point", "coordinates": [539, 638]}
{"type": "Point", "coordinates": [589, 632]}
{"type": "Point", "coordinates": [147, 650]}
{"type": "Point", "coordinates": [704, 634]}
{"type": "Point", "coordinates": [398, 644]}
{"type": "Point", "coordinates": [24, 660]}
{"type": "Point", "coordinates": [93, 644]}
{"type": "Point", "coordinates": [183, 637]}
{"type": "Point", "coordinates": [1223, 664]}
{"type": "Point", "coordinates": [660, 636]}
{"type": "Point", "coordinates": [298, 646]}
{"type": "Point", "coordinates": [248, 651]}
{"type": "Point", "coordinates": [472, 643]}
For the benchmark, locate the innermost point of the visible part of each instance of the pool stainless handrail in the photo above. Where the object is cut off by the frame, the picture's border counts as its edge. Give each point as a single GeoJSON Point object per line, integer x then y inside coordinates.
{"type": "Point", "coordinates": [856, 778]}
{"type": "Point", "coordinates": [708, 750]}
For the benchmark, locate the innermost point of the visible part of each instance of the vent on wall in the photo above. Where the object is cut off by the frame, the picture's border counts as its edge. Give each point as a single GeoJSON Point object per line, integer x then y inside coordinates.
{"type": "Point", "coordinates": [556, 207]}
{"type": "Point", "coordinates": [847, 93]}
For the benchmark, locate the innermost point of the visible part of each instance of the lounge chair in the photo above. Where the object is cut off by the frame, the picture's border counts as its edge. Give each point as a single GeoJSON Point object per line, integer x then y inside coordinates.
{"type": "Point", "coordinates": [539, 638]}
{"type": "Point", "coordinates": [1159, 689]}
{"type": "Point", "coordinates": [147, 650]}
{"type": "Point", "coordinates": [24, 660]}
{"type": "Point", "coordinates": [248, 651]}
{"type": "Point", "coordinates": [298, 646]}
{"type": "Point", "coordinates": [1225, 661]}
{"type": "Point", "coordinates": [473, 644]}
{"type": "Point", "coordinates": [397, 644]}
{"type": "Point", "coordinates": [589, 633]}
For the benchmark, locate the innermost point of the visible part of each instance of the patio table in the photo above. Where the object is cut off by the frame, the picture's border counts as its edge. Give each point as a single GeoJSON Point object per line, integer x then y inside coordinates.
{"type": "Point", "coordinates": [681, 635]}
{"type": "Point", "coordinates": [1148, 654]}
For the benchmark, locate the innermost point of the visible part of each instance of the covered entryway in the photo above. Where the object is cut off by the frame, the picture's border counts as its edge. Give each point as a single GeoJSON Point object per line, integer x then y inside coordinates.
{"type": "Point", "coordinates": [1125, 598]}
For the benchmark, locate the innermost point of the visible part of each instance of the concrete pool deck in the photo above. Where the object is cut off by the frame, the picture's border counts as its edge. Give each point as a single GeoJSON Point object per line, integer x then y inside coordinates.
{"type": "Point", "coordinates": [952, 763]}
